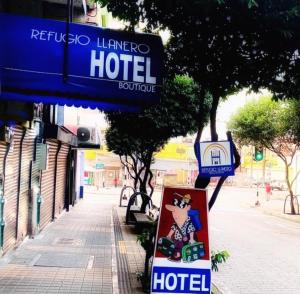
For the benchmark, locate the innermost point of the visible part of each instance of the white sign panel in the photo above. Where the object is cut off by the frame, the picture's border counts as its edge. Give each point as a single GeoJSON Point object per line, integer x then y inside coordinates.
{"type": "Point", "coordinates": [215, 159]}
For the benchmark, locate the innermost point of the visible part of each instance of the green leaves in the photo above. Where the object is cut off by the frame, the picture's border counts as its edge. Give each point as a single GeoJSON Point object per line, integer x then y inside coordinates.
{"type": "Point", "coordinates": [145, 239]}
{"type": "Point", "coordinates": [254, 123]}
{"type": "Point", "coordinates": [102, 3]}
{"type": "Point", "coordinates": [266, 123]}
{"type": "Point", "coordinates": [179, 113]}
{"type": "Point", "coordinates": [252, 3]}
{"type": "Point", "coordinates": [225, 45]}
{"type": "Point", "coordinates": [140, 135]}
{"type": "Point", "coordinates": [218, 258]}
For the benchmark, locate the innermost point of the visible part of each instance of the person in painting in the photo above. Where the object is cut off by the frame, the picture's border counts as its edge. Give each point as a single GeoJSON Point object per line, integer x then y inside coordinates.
{"type": "Point", "coordinates": [182, 232]}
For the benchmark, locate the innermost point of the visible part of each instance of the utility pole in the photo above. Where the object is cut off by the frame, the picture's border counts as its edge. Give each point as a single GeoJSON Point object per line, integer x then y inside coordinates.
{"type": "Point", "coordinates": [257, 203]}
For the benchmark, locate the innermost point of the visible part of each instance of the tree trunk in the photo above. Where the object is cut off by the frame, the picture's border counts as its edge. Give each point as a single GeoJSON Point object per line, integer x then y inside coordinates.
{"type": "Point", "coordinates": [264, 167]}
{"type": "Point", "coordinates": [146, 268]}
{"type": "Point", "coordinates": [201, 182]}
{"type": "Point", "coordinates": [147, 162]}
{"type": "Point", "coordinates": [293, 211]}
{"type": "Point", "coordinates": [134, 176]}
{"type": "Point", "coordinates": [237, 162]}
{"type": "Point", "coordinates": [213, 117]}
{"type": "Point", "coordinates": [150, 184]}
{"type": "Point", "coordinates": [139, 178]}
{"type": "Point", "coordinates": [130, 168]}
{"type": "Point", "coordinates": [144, 182]}
{"type": "Point", "coordinates": [216, 192]}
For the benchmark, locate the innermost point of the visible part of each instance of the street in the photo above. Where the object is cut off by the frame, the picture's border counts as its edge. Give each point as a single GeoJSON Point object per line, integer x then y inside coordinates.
{"type": "Point", "coordinates": [264, 250]}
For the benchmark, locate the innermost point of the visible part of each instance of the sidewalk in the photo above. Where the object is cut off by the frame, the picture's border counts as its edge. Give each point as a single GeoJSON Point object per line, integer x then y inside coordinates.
{"type": "Point", "coordinates": [275, 207]}
{"type": "Point", "coordinates": [87, 250]}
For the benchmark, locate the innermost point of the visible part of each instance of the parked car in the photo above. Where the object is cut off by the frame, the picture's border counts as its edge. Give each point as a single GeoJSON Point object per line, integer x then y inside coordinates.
{"type": "Point", "coordinates": [279, 185]}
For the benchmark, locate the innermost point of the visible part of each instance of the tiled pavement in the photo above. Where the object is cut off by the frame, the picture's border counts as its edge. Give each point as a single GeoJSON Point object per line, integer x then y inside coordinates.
{"type": "Point", "coordinates": [87, 250]}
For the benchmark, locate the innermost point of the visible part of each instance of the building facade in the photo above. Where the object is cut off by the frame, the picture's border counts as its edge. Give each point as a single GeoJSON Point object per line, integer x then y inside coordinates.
{"type": "Point", "coordinates": [35, 154]}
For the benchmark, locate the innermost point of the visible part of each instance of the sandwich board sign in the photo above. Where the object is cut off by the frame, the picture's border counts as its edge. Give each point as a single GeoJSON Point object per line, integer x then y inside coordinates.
{"type": "Point", "coordinates": [181, 261]}
{"type": "Point", "coordinates": [215, 158]}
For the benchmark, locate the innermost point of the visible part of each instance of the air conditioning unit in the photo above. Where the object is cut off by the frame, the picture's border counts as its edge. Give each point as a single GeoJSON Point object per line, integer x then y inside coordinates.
{"type": "Point", "coordinates": [88, 137]}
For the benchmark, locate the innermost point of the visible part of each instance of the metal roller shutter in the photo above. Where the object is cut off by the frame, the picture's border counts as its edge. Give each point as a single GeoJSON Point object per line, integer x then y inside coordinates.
{"type": "Point", "coordinates": [35, 179]}
{"type": "Point", "coordinates": [24, 201]}
{"type": "Point", "coordinates": [61, 178]}
{"type": "Point", "coordinates": [10, 190]}
{"type": "Point", "coordinates": [47, 185]}
{"type": "Point", "coordinates": [3, 148]}
{"type": "Point", "coordinates": [2, 155]}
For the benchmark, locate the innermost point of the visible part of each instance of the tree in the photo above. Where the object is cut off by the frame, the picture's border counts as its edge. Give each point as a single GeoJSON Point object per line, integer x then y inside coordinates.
{"type": "Point", "coordinates": [135, 137]}
{"type": "Point", "coordinates": [272, 125]}
{"type": "Point", "coordinates": [224, 45]}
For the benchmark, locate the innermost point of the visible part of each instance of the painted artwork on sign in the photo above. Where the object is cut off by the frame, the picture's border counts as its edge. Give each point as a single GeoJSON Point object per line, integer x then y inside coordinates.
{"type": "Point", "coordinates": [215, 158]}
{"type": "Point", "coordinates": [182, 256]}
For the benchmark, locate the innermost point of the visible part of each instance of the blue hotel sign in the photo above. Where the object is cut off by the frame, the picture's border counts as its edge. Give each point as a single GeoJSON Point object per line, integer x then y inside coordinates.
{"type": "Point", "coordinates": [104, 67]}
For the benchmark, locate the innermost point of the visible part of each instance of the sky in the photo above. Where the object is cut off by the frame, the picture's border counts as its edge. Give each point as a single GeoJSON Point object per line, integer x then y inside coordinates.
{"type": "Point", "coordinates": [228, 107]}
{"type": "Point", "coordinates": [94, 118]}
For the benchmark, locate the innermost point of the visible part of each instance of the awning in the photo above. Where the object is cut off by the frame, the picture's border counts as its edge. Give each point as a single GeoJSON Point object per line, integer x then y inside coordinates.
{"type": "Point", "coordinates": [12, 94]}
{"type": "Point", "coordinates": [88, 67]}
{"type": "Point", "coordinates": [16, 111]}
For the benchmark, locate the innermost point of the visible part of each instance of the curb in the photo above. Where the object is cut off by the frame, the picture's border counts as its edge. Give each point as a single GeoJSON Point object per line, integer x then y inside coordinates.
{"type": "Point", "coordinates": [114, 259]}
{"type": "Point", "coordinates": [215, 289]}
{"type": "Point", "coordinates": [282, 216]}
